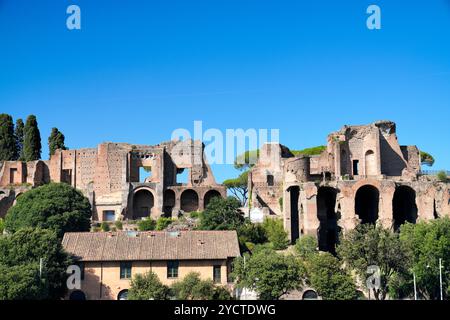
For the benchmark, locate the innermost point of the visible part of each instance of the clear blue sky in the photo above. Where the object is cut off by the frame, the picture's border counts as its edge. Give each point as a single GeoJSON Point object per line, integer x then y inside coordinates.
{"type": "Point", "coordinates": [140, 69]}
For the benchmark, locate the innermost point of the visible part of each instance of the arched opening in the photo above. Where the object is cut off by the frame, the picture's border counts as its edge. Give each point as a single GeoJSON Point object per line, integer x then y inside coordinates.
{"type": "Point", "coordinates": [328, 232]}
{"type": "Point", "coordinates": [189, 201]}
{"type": "Point", "coordinates": [123, 295]}
{"type": "Point", "coordinates": [310, 295]}
{"type": "Point", "coordinates": [294, 196]}
{"type": "Point", "coordinates": [366, 204]}
{"type": "Point", "coordinates": [404, 206]}
{"type": "Point", "coordinates": [370, 163]}
{"type": "Point", "coordinates": [143, 202]}
{"type": "Point", "coordinates": [209, 195]}
{"type": "Point", "coordinates": [77, 295]}
{"type": "Point", "coordinates": [169, 202]}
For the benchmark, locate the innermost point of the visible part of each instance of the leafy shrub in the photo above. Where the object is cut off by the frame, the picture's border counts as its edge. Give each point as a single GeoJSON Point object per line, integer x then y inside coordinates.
{"type": "Point", "coordinates": [2, 225]}
{"type": "Point", "coordinates": [162, 223]}
{"type": "Point", "coordinates": [105, 226]}
{"type": "Point", "coordinates": [148, 287]}
{"type": "Point", "coordinates": [442, 176]}
{"type": "Point", "coordinates": [119, 225]}
{"type": "Point", "coordinates": [146, 224]}
{"type": "Point", "coordinates": [276, 234]}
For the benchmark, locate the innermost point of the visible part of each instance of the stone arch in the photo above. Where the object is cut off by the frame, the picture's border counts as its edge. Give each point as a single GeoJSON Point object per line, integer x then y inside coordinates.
{"type": "Point", "coordinates": [310, 295]}
{"type": "Point", "coordinates": [328, 232]}
{"type": "Point", "coordinates": [189, 201]}
{"type": "Point", "coordinates": [169, 202]}
{"type": "Point", "coordinates": [370, 163]}
{"type": "Point", "coordinates": [77, 295]}
{"type": "Point", "coordinates": [123, 295]}
{"type": "Point", "coordinates": [367, 201]}
{"type": "Point", "coordinates": [143, 202]}
{"type": "Point", "coordinates": [404, 206]}
{"type": "Point", "coordinates": [209, 195]}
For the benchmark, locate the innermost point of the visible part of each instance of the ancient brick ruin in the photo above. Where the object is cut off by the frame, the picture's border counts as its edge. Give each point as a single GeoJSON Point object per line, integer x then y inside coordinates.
{"type": "Point", "coordinates": [363, 176]}
{"type": "Point", "coordinates": [111, 177]}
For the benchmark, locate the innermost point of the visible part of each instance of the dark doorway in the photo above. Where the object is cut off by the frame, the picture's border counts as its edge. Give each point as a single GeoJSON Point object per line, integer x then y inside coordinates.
{"type": "Point", "coordinates": [294, 195]}
{"type": "Point", "coordinates": [189, 201]}
{"type": "Point", "coordinates": [123, 295]}
{"type": "Point", "coordinates": [328, 232]}
{"type": "Point", "coordinates": [366, 204]}
{"type": "Point", "coordinates": [77, 295]}
{"type": "Point", "coordinates": [169, 202]}
{"type": "Point", "coordinates": [143, 202]}
{"type": "Point", "coordinates": [310, 295]}
{"type": "Point", "coordinates": [209, 195]}
{"type": "Point", "coordinates": [404, 206]}
{"type": "Point", "coordinates": [355, 167]}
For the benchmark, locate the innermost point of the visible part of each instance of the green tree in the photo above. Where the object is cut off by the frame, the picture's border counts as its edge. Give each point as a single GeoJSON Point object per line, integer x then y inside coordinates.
{"type": "Point", "coordinates": [306, 246]}
{"type": "Point", "coordinates": [269, 273]}
{"type": "Point", "coordinates": [276, 234]}
{"type": "Point", "coordinates": [246, 160]}
{"type": "Point", "coordinates": [239, 187]}
{"type": "Point", "coordinates": [426, 159]}
{"type": "Point", "coordinates": [194, 288]}
{"type": "Point", "coordinates": [55, 206]}
{"type": "Point", "coordinates": [2, 225]}
{"type": "Point", "coordinates": [222, 214]}
{"type": "Point", "coordinates": [31, 140]}
{"type": "Point", "coordinates": [326, 276]}
{"type": "Point", "coordinates": [18, 133]}
{"type": "Point", "coordinates": [56, 141]}
{"type": "Point", "coordinates": [369, 245]}
{"type": "Point", "coordinates": [162, 223]}
{"type": "Point", "coordinates": [148, 287]}
{"type": "Point", "coordinates": [442, 176]}
{"type": "Point", "coordinates": [427, 242]}
{"type": "Point", "coordinates": [21, 282]}
{"type": "Point", "coordinates": [26, 248]}
{"type": "Point", "coordinates": [8, 144]}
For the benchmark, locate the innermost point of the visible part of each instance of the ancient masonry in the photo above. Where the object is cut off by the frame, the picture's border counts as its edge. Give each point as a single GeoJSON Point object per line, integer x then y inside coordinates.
{"type": "Point", "coordinates": [111, 176]}
{"type": "Point", "coordinates": [363, 176]}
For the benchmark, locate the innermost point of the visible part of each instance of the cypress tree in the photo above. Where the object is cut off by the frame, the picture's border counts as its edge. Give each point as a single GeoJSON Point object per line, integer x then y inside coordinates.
{"type": "Point", "coordinates": [18, 132]}
{"type": "Point", "coordinates": [56, 141]}
{"type": "Point", "coordinates": [31, 140]}
{"type": "Point", "coordinates": [8, 147]}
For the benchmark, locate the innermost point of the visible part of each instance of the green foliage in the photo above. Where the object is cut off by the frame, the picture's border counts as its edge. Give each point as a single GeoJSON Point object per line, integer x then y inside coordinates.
{"type": "Point", "coordinates": [306, 246]}
{"type": "Point", "coordinates": [55, 206]}
{"type": "Point", "coordinates": [442, 176]}
{"type": "Point", "coordinates": [31, 140]}
{"type": "Point", "coordinates": [246, 160]}
{"type": "Point", "coordinates": [269, 273]}
{"type": "Point", "coordinates": [238, 186]}
{"type": "Point", "coordinates": [146, 224]}
{"type": "Point", "coordinates": [222, 214]}
{"type": "Point", "coordinates": [118, 224]}
{"type": "Point", "coordinates": [162, 223]}
{"type": "Point", "coordinates": [368, 245]}
{"type": "Point", "coordinates": [18, 133]}
{"type": "Point", "coordinates": [20, 254]}
{"type": "Point", "coordinates": [328, 278]}
{"type": "Point", "coordinates": [426, 158]}
{"type": "Point", "coordinates": [105, 226]}
{"type": "Point", "coordinates": [8, 144]}
{"type": "Point", "coordinates": [314, 151]}
{"type": "Point", "coordinates": [148, 287]}
{"type": "Point", "coordinates": [194, 214]}
{"type": "Point", "coordinates": [2, 225]}
{"type": "Point", "coordinates": [275, 233]}
{"type": "Point", "coordinates": [252, 233]}
{"type": "Point", "coordinates": [56, 141]}
{"type": "Point", "coordinates": [426, 243]}
{"type": "Point", "coordinates": [193, 288]}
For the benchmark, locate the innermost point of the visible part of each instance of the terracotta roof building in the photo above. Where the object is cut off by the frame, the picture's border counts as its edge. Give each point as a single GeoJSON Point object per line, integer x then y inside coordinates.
{"type": "Point", "coordinates": [110, 259]}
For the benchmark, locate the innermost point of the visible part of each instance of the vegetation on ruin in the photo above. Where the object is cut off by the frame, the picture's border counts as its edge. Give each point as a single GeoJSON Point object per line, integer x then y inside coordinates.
{"type": "Point", "coordinates": [2, 225]}
{"type": "Point", "coordinates": [104, 226]}
{"type": "Point", "coordinates": [147, 224]}
{"type": "Point", "coordinates": [55, 206]}
{"type": "Point", "coordinates": [56, 141]}
{"type": "Point", "coordinates": [277, 236]}
{"type": "Point", "coordinates": [314, 151]}
{"type": "Point", "coordinates": [31, 140]}
{"type": "Point", "coordinates": [118, 224]}
{"type": "Point", "coordinates": [246, 160]}
{"type": "Point", "coordinates": [20, 255]}
{"type": "Point", "coordinates": [147, 286]}
{"type": "Point", "coordinates": [239, 187]}
{"type": "Point", "coordinates": [162, 223]}
{"type": "Point", "coordinates": [221, 214]}
{"type": "Point", "coordinates": [442, 176]}
{"type": "Point", "coordinates": [426, 158]}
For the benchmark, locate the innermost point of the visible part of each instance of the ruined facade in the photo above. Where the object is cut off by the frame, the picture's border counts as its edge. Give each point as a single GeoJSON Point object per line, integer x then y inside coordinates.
{"type": "Point", "coordinates": [111, 176]}
{"type": "Point", "coordinates": [363, 176]}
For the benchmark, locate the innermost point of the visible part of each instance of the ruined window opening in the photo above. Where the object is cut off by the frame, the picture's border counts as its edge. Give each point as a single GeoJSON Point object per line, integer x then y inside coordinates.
{"type": "Point", "coordinates": [12, 175]}
{"type": "Point", "coordinates": [404, 206]}
{"type": "Point", "coordinates": [67, 176]}
{"type": "Point", "coordinates": [355, 167]}
{"type": "Point", "coordinates": [169, 202]}
{"type": "Point", "coordinates": [182, 176]}
{"type": "Point", "coordinates": [109, 215]}
{"type": "Point", "coordinates": [295, 218]}
{"type": "Point", "coordinates": [366, 204]}
{"type": "Point", "coordinates": [435, 213]}
{"type": "Point", "coordinates": [270, 180]}
{"type": "Point", "coordinates": [143, 202]}
{"type": "Point", "coordinates": [145, 174]}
